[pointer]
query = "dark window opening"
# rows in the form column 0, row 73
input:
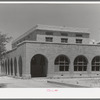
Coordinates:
column 78, row 40
column 49, row 39
column 64, row 40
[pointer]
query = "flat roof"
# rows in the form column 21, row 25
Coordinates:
column 53, row 28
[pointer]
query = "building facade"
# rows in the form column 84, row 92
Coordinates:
column 52, row 51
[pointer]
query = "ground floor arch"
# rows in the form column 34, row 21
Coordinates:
column 8, row 68
column 39, row 64
column 5, row 66
column 96, row 63
column 62, row 63
column 15, row 66
column 80, row 63
column 11, row 66
column 20, row 66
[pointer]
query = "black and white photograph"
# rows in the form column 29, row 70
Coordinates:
column 49, row 45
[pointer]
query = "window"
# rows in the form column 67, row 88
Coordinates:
column 96, row 63
column 49, row 33
column 64, row 34
column 63, row 63
column 80, row 63
column 78, row 35
column 48, row 39
column 78, row 40
column 64, row 40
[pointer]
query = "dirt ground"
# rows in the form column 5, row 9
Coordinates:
column 10, row 82
column 41, row 82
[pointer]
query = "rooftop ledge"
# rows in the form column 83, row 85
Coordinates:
column 50, row 43
column 56, row 43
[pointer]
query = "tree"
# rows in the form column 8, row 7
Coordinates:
column 4, row 39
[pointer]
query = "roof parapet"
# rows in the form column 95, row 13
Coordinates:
column 53, row 28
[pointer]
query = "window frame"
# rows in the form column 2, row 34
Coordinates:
column 63, row 62
column 79, row 41
column 49, row 39
column 80, row 64
column 64, row 40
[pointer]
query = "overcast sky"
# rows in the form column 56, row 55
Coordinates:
column 15, row 19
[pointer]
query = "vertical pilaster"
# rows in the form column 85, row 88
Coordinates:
column 51, row 67
column 71, row 67
column 89, row 67
column 26, row 66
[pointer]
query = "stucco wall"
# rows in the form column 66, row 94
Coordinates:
column 29, row 49
column 51, row 51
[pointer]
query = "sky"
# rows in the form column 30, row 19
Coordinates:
column 16, row 19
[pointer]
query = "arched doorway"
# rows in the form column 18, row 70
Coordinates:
column 20, row 66
column 80, row 63
column 15, row 66
column 39, row 65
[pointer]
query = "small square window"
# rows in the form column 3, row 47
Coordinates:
column 78, row 40
column 64, row 40
column 48, row 39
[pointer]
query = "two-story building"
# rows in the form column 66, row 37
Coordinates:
column 52, row 51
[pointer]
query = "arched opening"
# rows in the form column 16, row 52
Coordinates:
column 39, row 65
column 96, row 63
column 15, row 66
column 80, row 63
column 62, row 63
column 2, row 67
column 11, row 67
column 20, row 66
column 8, row 67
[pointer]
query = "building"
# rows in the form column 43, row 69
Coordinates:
column 52, row 51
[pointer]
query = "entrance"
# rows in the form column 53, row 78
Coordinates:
column 39, row 65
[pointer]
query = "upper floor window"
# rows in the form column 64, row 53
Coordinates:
column 49, row 39
column 64, row 34
column 78, row 40
column 78, row 35
column 64, row 40
column 49, row 33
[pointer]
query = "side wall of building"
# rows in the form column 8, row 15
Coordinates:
column 51, row 51
column 15, row 58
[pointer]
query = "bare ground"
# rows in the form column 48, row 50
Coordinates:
column 41, row 82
